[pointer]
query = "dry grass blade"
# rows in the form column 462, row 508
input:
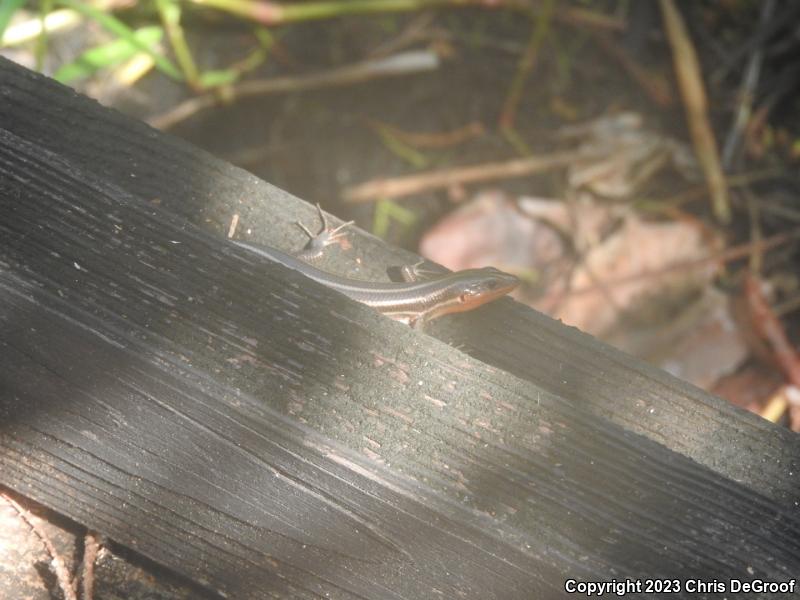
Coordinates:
column 405, row 63
column 395, row 187
column 687, row 69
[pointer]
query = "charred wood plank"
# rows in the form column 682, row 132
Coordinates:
column 270, row 438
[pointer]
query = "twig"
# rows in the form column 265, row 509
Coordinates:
column 91, row 546
column 756, row 233
column 788, row 306
column 727, row 255
column 233, row 225
column 657, row 89
column 699, row 191
column 584, row 17
column 786, row 84
column 775, row 407
column 526, row 64
column 398, row 64
column 746, row 94
column 443, row 139
column 791, row 11
column 417, row 30
column 65, row 582
column 395, row 187
column 770, row 328
column 281, row 13
column 690, row 82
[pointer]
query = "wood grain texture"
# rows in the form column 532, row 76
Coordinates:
column 207, row 192
column 271, row 439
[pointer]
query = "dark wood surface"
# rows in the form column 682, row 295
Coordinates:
column 206, row 192
column 271, row 439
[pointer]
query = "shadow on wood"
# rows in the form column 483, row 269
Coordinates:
column 270, row 438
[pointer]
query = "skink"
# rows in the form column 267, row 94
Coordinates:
column 413, row 302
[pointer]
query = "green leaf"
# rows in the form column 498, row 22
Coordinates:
column 108, row 55
column 170, row 12
column 120, row 29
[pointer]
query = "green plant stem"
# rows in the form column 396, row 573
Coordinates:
column 45, row 8
column 170, row 13
column 526, row 64
column 277, row 13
